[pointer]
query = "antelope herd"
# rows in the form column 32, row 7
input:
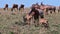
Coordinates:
column 35, row 8
column 15, row 6
column 46, row 8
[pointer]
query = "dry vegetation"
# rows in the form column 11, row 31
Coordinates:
column 12, row 24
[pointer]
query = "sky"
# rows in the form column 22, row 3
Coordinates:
column 28, row 3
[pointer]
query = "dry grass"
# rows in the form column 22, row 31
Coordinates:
column 8, row 26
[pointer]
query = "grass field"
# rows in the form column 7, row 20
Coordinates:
column 8, row 26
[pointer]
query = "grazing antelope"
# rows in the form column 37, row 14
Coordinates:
column 6, row 7
column 14, row 6
column 22, row 6
column 58, row 9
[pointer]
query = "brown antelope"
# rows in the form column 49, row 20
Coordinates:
column 6, row 7
column 22, row 6
column 14, row 6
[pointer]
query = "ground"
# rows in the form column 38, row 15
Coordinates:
column 8, row 25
